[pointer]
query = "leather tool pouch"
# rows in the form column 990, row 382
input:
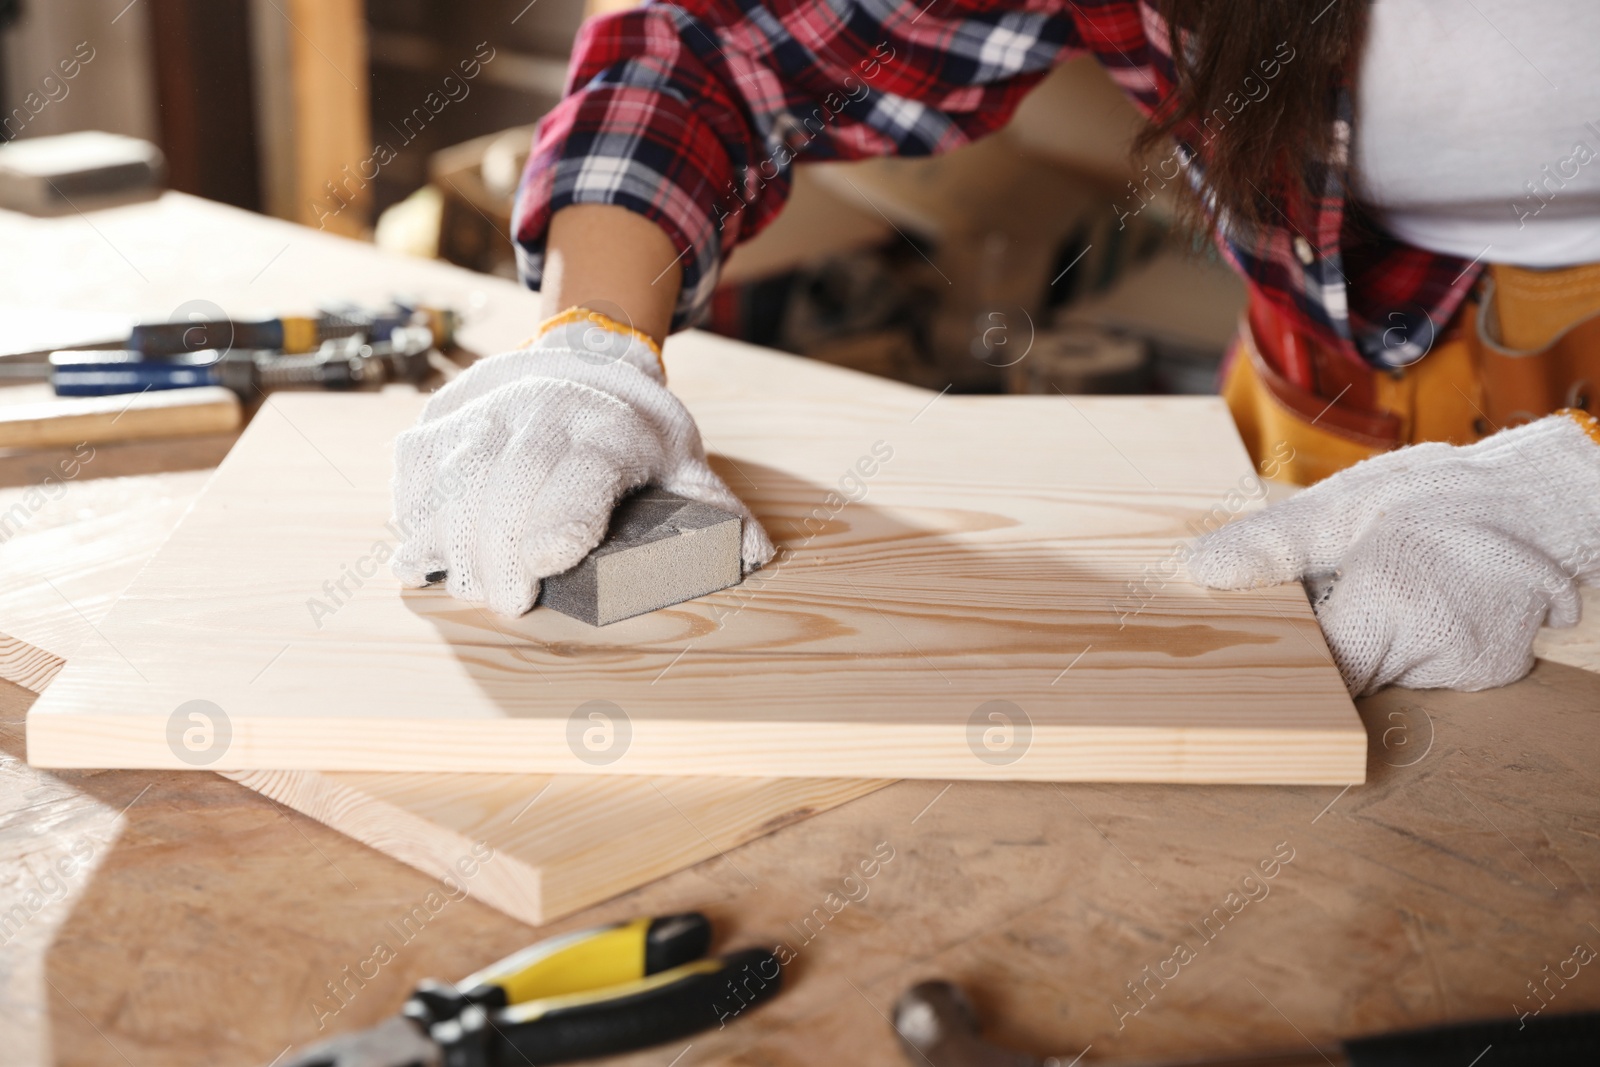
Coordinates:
column 1526, row 344
column 1536, row 341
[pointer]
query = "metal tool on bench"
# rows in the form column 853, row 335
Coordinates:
column 289, row 334
column 597, row 992
column 341, row 363
column 939, row 1028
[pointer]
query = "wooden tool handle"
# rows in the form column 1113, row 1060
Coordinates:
column 102, row 419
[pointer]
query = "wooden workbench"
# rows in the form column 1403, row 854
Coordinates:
column 198, row 922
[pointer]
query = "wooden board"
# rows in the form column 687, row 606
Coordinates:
column 65, row 422
column 563, row 842
column 68, row 548
column 191, row 875
column 998, row 602
column 91, row 536
column 207, row 923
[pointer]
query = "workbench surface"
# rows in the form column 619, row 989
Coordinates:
column 175, row 917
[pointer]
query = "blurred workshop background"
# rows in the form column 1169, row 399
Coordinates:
column 1042, row 258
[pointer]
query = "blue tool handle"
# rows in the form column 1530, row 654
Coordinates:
column 110, row 379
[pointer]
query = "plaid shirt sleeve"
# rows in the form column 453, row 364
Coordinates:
column 694, row 113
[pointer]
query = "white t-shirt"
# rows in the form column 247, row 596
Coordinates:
column 1477, row 128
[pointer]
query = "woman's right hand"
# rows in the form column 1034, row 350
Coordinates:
column 511, row 472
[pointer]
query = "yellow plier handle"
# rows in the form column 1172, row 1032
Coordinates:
column 575, row 963
column 598, row 992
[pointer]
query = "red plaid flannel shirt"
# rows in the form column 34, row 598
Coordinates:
column 694, row 113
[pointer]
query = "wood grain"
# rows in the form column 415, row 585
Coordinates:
column 68, row 549
column 67, row 554
column 208, row 922
column 564, row 843
column 1015, row 550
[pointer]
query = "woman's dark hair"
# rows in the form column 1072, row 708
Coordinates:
column 1255, row 132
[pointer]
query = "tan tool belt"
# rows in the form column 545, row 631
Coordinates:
column 1525, row 345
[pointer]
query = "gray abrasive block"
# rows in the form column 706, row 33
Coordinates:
column 661, row 549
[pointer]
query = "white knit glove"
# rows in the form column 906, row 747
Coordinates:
column 510, row 474
column 1444, row 560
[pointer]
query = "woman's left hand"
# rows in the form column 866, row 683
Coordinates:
column 1444, row 560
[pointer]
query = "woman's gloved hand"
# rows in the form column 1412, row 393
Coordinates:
column 510, row 474
column 1444, row 560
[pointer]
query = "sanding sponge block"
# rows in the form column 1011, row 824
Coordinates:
column 661, row 549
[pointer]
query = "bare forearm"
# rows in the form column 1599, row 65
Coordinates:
column 613, row 261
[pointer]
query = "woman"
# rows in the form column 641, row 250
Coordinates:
column 1413, row 199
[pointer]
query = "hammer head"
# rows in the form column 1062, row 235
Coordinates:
column 939, row 1028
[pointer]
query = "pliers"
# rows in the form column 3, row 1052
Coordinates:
column 597, row 992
